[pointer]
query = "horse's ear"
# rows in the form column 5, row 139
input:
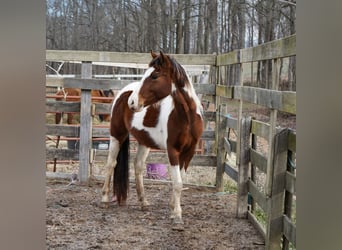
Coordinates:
column 163, row 58
column 154, row 55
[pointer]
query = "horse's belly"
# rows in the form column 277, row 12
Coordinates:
column 149, row 137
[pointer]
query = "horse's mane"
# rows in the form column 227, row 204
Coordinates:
column 179, row 75
column 180, row 78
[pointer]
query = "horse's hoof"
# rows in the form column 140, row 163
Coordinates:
column 103, row 204
column 178, row 224
column 177, row 221
column 145, row 205
column 105, row 199
column 123, row 204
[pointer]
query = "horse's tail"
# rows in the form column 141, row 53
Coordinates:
column 121, row 173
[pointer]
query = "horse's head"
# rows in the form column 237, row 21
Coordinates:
column 163, row 75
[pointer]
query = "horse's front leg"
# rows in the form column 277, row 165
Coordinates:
column 139, row 165
column 177, row 185
column 114, row 148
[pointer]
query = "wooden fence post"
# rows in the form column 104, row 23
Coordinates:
column 243, row 167
column 275, row 202
column 85, row 126
column 272, row 132
column 221, row 126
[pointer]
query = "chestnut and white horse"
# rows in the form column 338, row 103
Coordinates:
column 161, row 111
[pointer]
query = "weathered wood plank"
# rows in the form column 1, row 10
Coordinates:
column 86, row 128
column 101, row 155
column 289, row 230
column 260, row 128
column 205, row 89
column 257, row 195
column 221, row 124
column 54, row 81
column 272, row 144
column 228, row 58
column 273, row 99
column 97, row 56
column 74, row 131
column 230, row 171
column 258, row 160
column 264, row 97
column 284, row 47
column 105, row 84
column 61, row 106
column 100, row 132
column 61, row 154
column 225, row 91
column 256, row 224
column 194, row 59
column 292, row 140
column 161, row 157
column 232, row 122
column 289, row 102
column 290, row 182
column 102, row 108
column 124, row 57
column 275, row 203
column 63, row 130
column 243, row 167
column 92, row 83
column 100, row 83
column 197, row 160
column 104, row 132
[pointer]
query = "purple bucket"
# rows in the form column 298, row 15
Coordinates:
column 156, row 171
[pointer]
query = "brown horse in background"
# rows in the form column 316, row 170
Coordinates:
column 72, row 95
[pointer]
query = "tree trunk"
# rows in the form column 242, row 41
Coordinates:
column 179, row 23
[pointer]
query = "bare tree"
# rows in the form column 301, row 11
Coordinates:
column 174, row 26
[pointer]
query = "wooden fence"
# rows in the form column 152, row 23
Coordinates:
column 275, row 196
column 236, row 156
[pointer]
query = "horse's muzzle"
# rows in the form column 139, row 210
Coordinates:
column 133, row 103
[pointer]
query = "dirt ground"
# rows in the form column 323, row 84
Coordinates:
column 75, row 219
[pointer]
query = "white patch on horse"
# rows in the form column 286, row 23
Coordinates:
column 134, row 97
column 189, row 88
column 147, row 73
column 159, row 132
column 130, row 87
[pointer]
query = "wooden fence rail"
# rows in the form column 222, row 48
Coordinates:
column 276, row 197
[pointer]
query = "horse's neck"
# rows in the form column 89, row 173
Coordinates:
column 190, row 91
column 183, row 102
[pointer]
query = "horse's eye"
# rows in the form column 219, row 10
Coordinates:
column 154, row 76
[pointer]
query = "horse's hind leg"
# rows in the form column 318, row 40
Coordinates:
column 177, row 185
column 139, row 164
column 114, row 148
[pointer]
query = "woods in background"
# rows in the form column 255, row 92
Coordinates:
column 173, row 26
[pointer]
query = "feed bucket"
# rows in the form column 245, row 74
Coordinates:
column 156, row 171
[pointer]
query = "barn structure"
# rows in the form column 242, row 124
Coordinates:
column 243, row 138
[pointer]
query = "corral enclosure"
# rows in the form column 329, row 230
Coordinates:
column 247, row 136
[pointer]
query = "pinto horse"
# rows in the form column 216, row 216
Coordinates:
column 162, row 111
column 68, row 94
